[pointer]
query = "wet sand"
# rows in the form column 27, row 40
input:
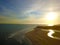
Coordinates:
column 39, row 37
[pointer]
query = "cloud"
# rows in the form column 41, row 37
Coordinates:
column 28, row 20
column 26, row 12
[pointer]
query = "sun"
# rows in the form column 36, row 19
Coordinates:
column 51, row 16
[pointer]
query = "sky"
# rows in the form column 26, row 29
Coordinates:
column 28, row 11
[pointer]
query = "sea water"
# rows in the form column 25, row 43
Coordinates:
column 7, row 30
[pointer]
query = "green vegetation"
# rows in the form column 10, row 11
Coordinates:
column 55, row 27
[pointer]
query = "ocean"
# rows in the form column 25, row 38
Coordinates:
column 10, row 30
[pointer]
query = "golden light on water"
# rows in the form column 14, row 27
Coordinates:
column 50, row 33
column 50, row 24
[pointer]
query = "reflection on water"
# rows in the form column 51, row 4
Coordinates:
column 51, row 32
column 50, row 24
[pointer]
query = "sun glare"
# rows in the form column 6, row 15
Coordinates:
column 51, row 16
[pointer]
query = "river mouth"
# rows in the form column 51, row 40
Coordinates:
column 52, row 33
